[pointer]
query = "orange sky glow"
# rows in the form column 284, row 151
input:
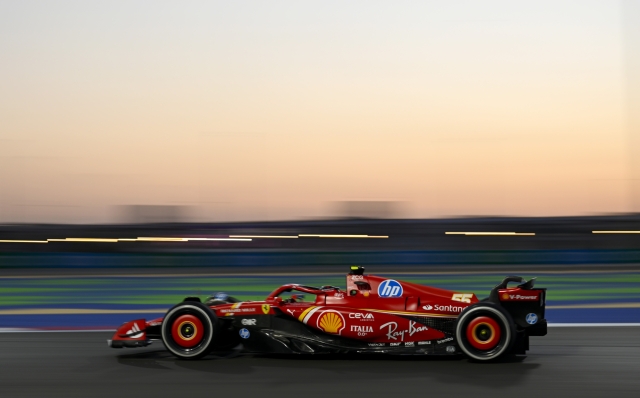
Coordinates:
column 269, row 111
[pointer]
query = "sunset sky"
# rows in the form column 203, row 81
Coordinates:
column 271, row 110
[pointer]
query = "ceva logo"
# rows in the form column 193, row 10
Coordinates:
column 358, row 315
column 390, row 288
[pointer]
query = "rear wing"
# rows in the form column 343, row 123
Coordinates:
column 525, row 304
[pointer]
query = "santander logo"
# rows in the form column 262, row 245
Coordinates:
column 443, row 308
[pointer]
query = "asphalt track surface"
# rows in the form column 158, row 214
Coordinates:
column 572, row 361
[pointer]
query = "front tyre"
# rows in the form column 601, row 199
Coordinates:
column 485, row 332
column 189, row 330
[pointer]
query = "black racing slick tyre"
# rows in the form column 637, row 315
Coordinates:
column 189, row 330
column 485, row 332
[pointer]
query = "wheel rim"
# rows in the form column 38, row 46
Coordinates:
column 187, row 331
column 483, row 333
column 475, row 336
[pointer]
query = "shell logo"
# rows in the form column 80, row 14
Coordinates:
column 331, row 322
column 505, row 296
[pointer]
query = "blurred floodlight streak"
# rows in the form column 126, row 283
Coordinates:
column 161, row 239
column 22, row 241
column 342, row 236
column 152, row 239
column 103, row 240
column 219, row 239
column 491, row 233
column 264, row 236
column 615, row 232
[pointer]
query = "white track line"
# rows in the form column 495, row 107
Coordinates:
column 593, row 305
column 588, row 325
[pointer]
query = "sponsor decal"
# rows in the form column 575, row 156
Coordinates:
column 505, row 296
column 338, row 295
column 231, row 311
column 134, row 332
column 306, row 314
column 462, row 297
column 451, row 348
column 265, row 308
column 394, row 344
column 523, row 298
column 362, row 316
column 445, row 340
column 331, row 321
column 244, row 333
column 443, row 308
column 366, row 293
column 532, row 318
column 361, row 330
column 155, row 323
column 376, row 344
column 290, row 312
column 249, row 322
column 409, row 344
column 357, row 277
column 393, row 333
column 424, row 343
column 390, row 288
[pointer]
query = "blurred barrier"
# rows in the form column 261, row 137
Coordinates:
column 303, row 259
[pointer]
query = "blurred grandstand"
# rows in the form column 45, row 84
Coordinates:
column 597, row 240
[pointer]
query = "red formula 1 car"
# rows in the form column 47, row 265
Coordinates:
column 374, row 314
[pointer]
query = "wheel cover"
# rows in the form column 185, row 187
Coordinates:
column 483, row 333
column 187, row 331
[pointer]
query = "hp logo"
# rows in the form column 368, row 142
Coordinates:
column 532, row 318
column 244, row 333
column 390, row 288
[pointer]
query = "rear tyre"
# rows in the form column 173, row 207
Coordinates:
column 189, row 330
column 485, row 332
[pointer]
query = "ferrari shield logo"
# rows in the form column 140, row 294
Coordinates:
column 265, row 308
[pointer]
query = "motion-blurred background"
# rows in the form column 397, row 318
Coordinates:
column 149, row 148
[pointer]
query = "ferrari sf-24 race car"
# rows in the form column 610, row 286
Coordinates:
column 373, row 315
